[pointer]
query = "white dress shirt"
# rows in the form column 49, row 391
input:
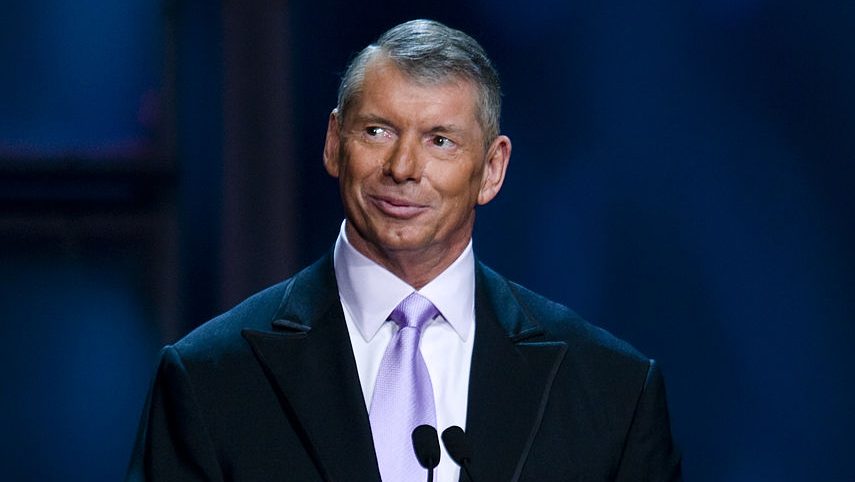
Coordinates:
column 368, row 295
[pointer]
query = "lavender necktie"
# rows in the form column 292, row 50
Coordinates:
column 403, row 394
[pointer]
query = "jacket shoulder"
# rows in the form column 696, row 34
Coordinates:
column 222, row 334
column 561, row 323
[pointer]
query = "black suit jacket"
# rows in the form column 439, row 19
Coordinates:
column 270, row 391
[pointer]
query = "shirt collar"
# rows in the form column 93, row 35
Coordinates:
column 370, row 292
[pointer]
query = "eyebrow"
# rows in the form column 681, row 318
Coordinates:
column 377, row 119
column 372, row 119
column 447, row 129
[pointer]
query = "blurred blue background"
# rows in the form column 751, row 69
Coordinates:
column 682, row 175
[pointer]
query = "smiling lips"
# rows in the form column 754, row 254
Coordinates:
column 397, row 207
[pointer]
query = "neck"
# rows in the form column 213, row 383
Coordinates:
column 416, row 267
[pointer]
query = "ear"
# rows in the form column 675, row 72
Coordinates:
column 498, row 156
column 332, row 144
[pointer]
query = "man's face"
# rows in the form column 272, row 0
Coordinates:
column 411, row 164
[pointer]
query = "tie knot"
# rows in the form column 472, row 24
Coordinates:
column 415, row 311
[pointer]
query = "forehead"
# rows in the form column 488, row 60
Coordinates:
column 388, row 90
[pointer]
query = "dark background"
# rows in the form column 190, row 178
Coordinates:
column 682, row 175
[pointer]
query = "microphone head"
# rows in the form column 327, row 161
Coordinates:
column 457, row 444
column 426, row 446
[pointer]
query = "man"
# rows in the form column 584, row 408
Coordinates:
column 324, row 376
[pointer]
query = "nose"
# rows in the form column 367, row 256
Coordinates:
column 403, row 162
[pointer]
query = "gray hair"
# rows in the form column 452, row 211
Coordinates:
column 430, row 52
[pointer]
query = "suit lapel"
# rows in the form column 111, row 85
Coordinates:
column 309, row 360
column 510, row 380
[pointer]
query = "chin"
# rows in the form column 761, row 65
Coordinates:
column 402, row 243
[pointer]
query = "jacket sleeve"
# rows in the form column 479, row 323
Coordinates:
column 172, row 441
column 649, row 453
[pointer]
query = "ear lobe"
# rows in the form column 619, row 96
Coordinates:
column 495, row 166
column 332, row 144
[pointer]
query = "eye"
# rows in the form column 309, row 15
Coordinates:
column 375, row 134
column 443, row 142
column 375, row 131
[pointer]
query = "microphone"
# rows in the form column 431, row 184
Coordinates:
column 426, row 446
column 457, row 445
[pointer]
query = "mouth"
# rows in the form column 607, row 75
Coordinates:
column 397, row 208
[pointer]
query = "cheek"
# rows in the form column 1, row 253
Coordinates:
column 351, row 190
column 355, row 184
column 347, row 182
column 361, row 165
column 459, row 191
